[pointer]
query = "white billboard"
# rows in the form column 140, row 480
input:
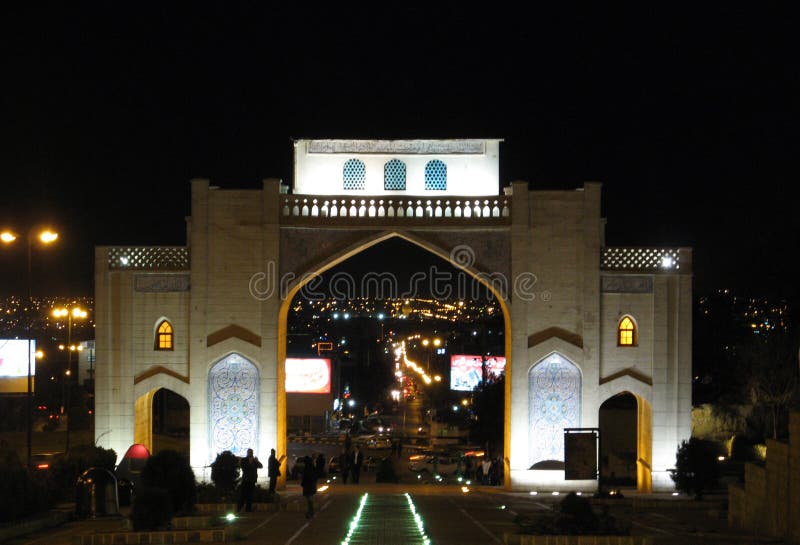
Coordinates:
column 14, row 358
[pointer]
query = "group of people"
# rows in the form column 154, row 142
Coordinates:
column 486, row 471
column 250, row 466
column 350, row 462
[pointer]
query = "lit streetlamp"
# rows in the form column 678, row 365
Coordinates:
column 42, row 237
column 70, row 314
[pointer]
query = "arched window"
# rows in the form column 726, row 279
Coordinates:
column 435, row 175
column 354, row 174
column 394, row 175
column 164, row 336
column 626, row 333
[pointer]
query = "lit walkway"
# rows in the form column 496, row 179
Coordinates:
column 386, row 519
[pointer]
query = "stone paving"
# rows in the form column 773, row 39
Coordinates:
column 482, row 516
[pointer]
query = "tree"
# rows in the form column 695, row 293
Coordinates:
column 770, row 366
column 696, row 470
column 488, row 407
column 225, row 472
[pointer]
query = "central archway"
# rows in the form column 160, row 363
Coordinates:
column 487, row 279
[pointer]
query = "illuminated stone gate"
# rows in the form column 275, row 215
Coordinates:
column 583, row 321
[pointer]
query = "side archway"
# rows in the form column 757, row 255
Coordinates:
column 626, row 430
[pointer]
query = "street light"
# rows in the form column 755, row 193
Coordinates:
column 70, row 314
column 43, row 236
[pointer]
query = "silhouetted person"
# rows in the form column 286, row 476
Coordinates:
column 357, row 460
column 344, row 465
column 309, row 484
column 274, row 469
column 319, row 465
column 250, row 465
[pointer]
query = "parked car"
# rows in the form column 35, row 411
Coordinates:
column 424, row 463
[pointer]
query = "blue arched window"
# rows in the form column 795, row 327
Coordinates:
column 233, row 391
column 394, row 175
column 554, row 395
column 436, row 175
column 354, row 174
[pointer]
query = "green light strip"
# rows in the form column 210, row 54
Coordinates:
column 418, row 519
column 354, row 522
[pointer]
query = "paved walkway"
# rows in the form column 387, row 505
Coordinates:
column 447, row 515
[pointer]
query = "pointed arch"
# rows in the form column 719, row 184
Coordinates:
column 554, row 403
column 233, row 405
column 344, row 255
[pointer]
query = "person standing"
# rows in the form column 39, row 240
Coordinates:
column 309, row 484
column 250, row 466
column 357, row 460
column 274, row 469
column 486, row 467
column 320, row 466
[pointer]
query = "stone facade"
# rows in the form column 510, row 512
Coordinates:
column 767, row 502
column 542, row 253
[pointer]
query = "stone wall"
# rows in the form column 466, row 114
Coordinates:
column 771, row 493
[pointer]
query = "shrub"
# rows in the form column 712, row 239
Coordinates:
column 696, row 469
column 66, row 469
column 171, row 470
column 22, row 492
column 152, row 509
column 225, row 471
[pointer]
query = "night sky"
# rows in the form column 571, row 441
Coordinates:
column 688, row 118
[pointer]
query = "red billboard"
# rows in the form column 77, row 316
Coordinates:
column 308, row 375
column 466, row 370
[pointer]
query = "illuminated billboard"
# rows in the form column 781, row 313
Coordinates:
column 308, row 375
column 14, row 359
column 466, row 372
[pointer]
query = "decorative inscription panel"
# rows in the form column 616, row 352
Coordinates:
column 626, row 284
column 422, row 147
column 161, row 282
column 233, row 386
column 554, row 394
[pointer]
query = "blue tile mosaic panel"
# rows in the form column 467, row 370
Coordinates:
column 394, row 175
column 233, row 387
column 435, row 175
column 354, row 174
column 554, row 394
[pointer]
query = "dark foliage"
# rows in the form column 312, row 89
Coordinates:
column 22, row 492
column 152, row 509
column 65, row 470
column 225, row 470
column 696, row 468
column 171, row 470
column 488, row 406
column 574, row 516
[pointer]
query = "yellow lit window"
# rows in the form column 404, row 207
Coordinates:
column 627, row 332
column 164, row 336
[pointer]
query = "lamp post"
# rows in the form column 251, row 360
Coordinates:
column 43, row 236
column 70, row 314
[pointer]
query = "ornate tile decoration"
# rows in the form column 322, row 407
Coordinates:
column 233, row 386
column 554, row 390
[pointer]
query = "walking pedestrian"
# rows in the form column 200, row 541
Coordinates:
column 357, row 460
column 250, row 466
column 309, row 485
column 486, row 466
column 274, row 469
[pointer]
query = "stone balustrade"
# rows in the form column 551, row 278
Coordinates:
column 345, row 209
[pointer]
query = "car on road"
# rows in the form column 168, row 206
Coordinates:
column 441, row 464
column 44, row 461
